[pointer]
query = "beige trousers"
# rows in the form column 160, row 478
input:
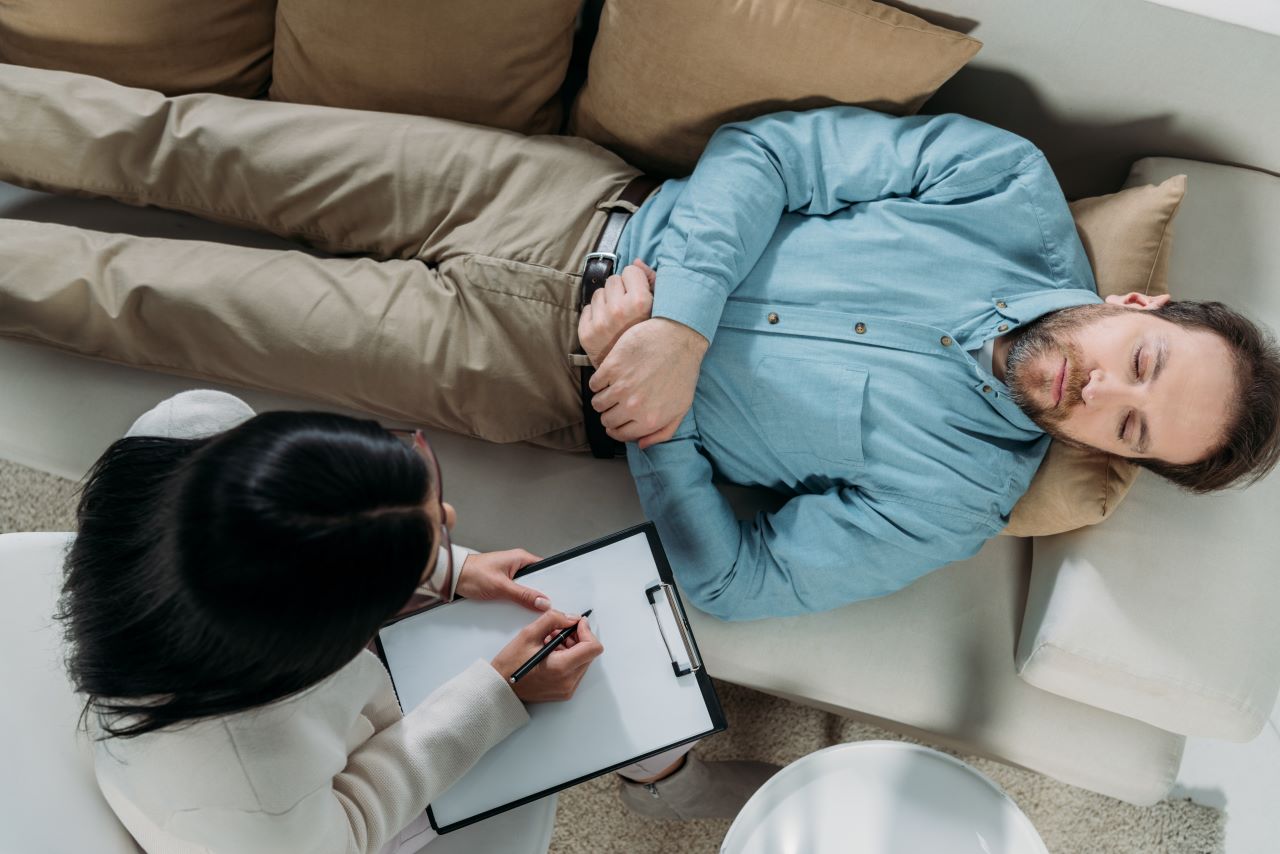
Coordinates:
column 458, row 314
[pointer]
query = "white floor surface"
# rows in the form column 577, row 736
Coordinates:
column 1243, row 779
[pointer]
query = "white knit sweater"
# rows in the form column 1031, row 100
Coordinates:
column 335, row 768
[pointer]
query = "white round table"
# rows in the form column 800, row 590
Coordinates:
column 880, row 797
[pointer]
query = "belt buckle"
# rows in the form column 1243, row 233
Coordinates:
column 611, row 257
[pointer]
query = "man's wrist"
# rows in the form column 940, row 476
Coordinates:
column 689, row 337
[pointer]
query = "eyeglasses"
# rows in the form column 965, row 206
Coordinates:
column 437, row 584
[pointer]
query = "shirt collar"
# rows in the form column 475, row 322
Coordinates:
column 1026, row 307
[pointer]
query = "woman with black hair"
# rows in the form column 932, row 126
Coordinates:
column 229, row 572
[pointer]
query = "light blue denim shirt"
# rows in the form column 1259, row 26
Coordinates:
column 844, row 264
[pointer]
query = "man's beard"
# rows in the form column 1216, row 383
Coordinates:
column 1051, row 338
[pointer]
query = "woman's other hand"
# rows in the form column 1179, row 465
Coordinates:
column 558, row 675
column 489, row 576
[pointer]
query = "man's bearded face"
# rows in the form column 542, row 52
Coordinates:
column 1121, row 380
column 1051, row 339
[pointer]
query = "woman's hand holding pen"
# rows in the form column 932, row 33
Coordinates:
column 557, row 677
column 490, row 576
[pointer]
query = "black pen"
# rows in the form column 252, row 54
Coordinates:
column 560, row 638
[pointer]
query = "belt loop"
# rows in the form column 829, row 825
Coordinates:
column 618, row 204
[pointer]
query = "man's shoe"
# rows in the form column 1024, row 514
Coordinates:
column 698, row 790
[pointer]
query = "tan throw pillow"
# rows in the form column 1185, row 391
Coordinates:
column 1128, row 237
column 489, row 62
column 664, row 74
column 172, row 46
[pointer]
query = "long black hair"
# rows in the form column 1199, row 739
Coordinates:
column 214, row 575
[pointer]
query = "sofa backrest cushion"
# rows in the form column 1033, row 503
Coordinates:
column 664, row 74
column 221, row 46
column 489, row 62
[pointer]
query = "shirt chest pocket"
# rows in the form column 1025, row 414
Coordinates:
column 810, row 408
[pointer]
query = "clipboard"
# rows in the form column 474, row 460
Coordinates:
column 647, row 693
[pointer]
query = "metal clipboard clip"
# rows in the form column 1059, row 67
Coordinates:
column 672, row 622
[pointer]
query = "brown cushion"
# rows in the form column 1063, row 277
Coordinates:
column 664, row 74
column 489, row 62
column 1128, row 237
column 172, row 46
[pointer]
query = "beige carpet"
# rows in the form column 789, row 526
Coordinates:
column 591, row 820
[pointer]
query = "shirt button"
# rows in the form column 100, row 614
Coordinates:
column 860, row 328
column 986, row 389
column 945, row 340
column 1001, row 304
column 773, row 317
column 1004, row 327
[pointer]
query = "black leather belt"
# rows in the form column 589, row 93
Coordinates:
column 600, row 264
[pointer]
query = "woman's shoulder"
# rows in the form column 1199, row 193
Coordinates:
column 267, row 758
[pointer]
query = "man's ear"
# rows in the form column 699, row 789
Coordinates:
column 1133, row 299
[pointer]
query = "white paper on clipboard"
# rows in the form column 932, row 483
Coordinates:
column 630, row 704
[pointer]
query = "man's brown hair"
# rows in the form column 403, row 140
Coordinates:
column 1250, row 446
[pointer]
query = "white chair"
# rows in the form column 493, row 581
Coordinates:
column 51, row 803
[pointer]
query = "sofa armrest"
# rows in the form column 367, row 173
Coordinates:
column 1172, row 627
column 1167, row 612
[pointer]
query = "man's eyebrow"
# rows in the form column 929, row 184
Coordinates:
column 1144, row 437
column 1162, row 353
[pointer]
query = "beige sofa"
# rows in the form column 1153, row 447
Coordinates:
column 1087, row 656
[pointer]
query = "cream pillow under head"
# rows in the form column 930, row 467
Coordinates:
column 1128, row 237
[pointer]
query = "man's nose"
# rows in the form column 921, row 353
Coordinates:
column 1103, row 388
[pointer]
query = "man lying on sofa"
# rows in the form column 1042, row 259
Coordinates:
column 883, row 318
